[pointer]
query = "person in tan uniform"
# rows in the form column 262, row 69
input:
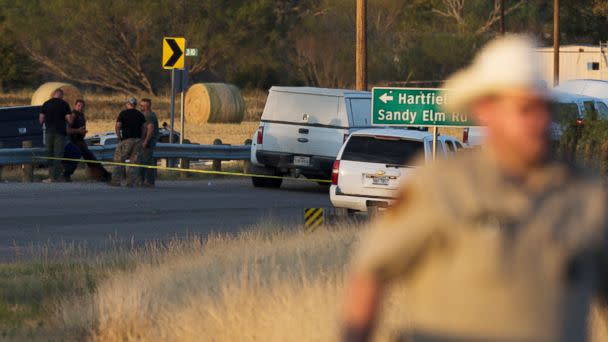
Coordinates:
column 506, row 244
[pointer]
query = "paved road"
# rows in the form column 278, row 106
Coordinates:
column 32, row 214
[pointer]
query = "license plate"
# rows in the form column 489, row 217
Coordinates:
column 301, row 161
column 380, row 180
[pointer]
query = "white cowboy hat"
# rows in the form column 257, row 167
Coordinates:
column 505, row 63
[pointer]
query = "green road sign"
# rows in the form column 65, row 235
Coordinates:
column 191, row 52
column 414, row 107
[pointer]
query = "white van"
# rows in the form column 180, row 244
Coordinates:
column 566, row 109
column 593, row 88
column 302, row 129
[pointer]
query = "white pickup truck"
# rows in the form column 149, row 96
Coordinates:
column 373, row 163
column 302, row 129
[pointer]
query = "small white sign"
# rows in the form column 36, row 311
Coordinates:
column 301, row 161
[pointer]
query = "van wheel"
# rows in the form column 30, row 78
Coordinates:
column 373, row 211
column 342, row 213
column 260, row 182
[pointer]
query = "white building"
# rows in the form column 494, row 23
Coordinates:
column 575, row 62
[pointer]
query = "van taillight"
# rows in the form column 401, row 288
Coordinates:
column 260, row 139
column 465, row 136
column 579, row 122
column 335, row 172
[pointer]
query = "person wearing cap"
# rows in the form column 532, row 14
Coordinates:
column 130, row 128
column 503, row 244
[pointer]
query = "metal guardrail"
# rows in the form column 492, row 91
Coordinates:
column 14, row 156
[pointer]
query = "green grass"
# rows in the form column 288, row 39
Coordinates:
column 33, row 286
column 36, row 286
column 28, row 292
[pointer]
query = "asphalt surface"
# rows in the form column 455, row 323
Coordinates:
column 37, row 214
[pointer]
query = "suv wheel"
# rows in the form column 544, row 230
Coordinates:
column 260, row 182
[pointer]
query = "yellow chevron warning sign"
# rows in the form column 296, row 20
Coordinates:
column 313, row 218
column 173, row 52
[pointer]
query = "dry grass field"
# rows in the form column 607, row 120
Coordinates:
column 102, row 110
column 271, row 283
column 234, row 134
column 103, row 107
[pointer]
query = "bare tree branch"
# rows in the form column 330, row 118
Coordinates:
column 495, row 15
column 453, row 9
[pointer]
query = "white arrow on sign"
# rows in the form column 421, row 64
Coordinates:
column 386, row 97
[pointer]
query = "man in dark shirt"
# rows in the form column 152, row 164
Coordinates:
column 77, row 131
column 55, row 115
column 149, row 142
column 130, row 128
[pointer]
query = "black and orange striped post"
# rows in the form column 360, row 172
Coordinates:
column 313, row 218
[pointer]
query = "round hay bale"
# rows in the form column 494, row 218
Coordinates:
column 45, row 92
column 215, row 103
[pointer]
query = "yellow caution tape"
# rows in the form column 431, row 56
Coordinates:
column 177, row 169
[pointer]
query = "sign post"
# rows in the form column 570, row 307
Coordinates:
column 415, row 107
column 172, row 112
column 173, row 58
column 182, row 108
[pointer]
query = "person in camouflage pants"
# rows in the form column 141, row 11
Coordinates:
column 129, row 151
column 130, row 128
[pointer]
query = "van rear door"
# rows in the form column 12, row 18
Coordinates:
column 304, row 124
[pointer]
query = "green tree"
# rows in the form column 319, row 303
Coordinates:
column 16, row 69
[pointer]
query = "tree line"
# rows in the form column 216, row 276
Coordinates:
column 116, row 44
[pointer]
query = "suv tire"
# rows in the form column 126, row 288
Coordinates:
column 260, row 182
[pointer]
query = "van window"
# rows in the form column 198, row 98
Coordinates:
column 590, row 111
column 602, row 110
column 440, row 148
column 451, row 147
column 564, row 113
column 381, row 150
column 361, row 112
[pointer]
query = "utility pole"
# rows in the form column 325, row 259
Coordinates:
column 361, row 45
column 555, row 42
column 502, row 17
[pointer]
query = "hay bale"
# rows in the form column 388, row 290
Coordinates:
column 45, row 92
column 215, row 103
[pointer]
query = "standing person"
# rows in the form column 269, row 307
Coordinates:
column 55, row 115
column 77, row 130
column 149, row 142
column 504, row 244
column 130, row 127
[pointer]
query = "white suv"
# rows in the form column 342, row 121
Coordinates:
column 373, row 163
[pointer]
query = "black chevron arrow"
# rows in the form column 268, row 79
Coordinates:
column 177, row 53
